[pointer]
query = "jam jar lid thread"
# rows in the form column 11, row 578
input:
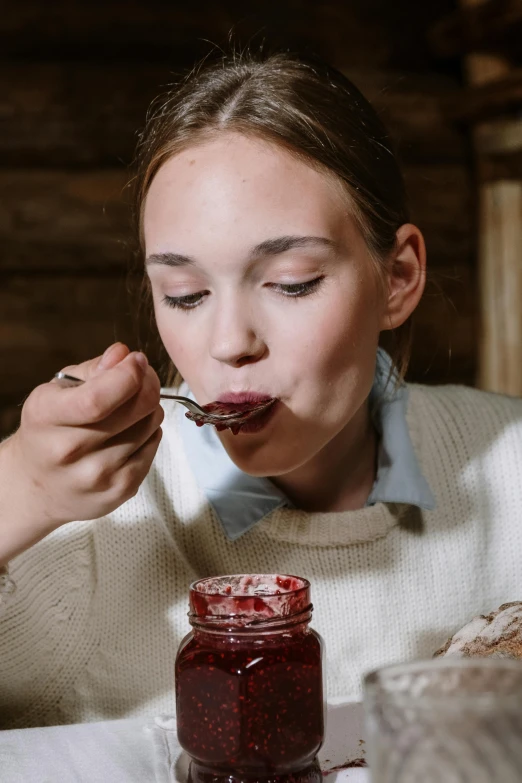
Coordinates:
column 239, row 624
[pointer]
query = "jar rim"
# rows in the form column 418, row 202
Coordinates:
column 194, row 585
column 434, row 681
column 249, row 598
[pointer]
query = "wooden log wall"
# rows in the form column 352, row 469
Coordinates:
column 497, row 86
column 76, row 82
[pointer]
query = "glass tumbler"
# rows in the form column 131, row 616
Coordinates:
column 445, row 721
column 249, row 687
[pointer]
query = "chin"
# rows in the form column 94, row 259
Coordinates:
column 262, row 459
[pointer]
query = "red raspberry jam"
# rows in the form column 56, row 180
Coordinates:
column 237, row 407
column 243, row 411
column 249, row 686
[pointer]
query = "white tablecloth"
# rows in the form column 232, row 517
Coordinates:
column 137, row 751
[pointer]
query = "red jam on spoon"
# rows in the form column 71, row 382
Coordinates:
column 244, row 411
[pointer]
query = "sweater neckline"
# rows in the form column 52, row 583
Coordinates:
column 331, row 528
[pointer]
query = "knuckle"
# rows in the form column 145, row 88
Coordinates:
column 150, row 396
column 130, row 481
column 151, row 380
column 159, row 415
column 133, row 474
column 35, row 408
column 91, row 405
column 88, row 368
column 54, row 452
column 133, row 490
column 133, row 375
column 64, row 450
column 151, row 446
column 96, row 476
column 154, row 442
column 71, row 450
column 154, row 379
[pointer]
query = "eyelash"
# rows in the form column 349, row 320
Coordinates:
column 188, row 302
column 291, row 290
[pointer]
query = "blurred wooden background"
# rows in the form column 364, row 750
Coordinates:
column 76, row 82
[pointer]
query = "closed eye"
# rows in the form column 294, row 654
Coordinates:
column 293, row 290
column 297, row 289
column 188, row 302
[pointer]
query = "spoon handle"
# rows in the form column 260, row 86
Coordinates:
column 71, row 380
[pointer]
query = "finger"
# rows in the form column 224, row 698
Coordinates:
column 137, row 466
column 113, row 355
column 98, row 397
column 98, row 471
column 103, row 451
column 94, row 475
column 145, row 402
column 119, row 449
column 69, row 444
column 144, row 456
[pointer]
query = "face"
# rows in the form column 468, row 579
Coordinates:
column 263, row 286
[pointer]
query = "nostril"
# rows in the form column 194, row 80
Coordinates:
column 235, row 357
column 246, row 360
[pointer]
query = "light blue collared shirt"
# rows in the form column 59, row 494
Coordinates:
column 241, row 501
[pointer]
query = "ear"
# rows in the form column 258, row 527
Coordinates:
column 406, row 277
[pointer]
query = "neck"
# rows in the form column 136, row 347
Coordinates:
column 340, row 477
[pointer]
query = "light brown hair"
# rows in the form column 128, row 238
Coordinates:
column 312, row 110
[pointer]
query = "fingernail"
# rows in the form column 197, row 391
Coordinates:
column 104, row 361
column 141, row 360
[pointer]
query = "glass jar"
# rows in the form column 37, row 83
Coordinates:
column 449, row 720
column 249, row 681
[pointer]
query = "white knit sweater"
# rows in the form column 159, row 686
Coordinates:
column 100, row 609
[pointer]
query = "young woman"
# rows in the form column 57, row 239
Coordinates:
column 277, row 244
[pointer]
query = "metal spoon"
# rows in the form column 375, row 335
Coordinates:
column 198, row 413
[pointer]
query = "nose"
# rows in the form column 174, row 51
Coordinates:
column 235, row 340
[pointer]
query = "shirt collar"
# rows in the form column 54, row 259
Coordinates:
column 241, row 501
column 399, row 477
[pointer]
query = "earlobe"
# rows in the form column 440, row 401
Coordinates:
column 406, row 276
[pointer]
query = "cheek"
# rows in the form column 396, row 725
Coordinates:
column 335, row 332
column 178, row 339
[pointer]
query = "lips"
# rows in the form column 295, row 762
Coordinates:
column 255, row 407
column 240, row 398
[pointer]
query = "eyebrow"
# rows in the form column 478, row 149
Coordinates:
column 169, row 259
column 267, row 248
column 274, row 247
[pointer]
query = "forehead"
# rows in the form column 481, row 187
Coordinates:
column 238, row 181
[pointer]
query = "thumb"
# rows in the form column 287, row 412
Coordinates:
column 112, row 356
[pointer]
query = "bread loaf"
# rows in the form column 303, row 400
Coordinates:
column 496, row 635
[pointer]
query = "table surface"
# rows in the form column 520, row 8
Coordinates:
column 127, row 751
